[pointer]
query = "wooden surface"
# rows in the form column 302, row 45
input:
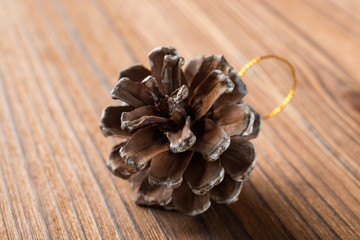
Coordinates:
column 59, row 60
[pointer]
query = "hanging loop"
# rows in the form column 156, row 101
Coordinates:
column 292, row 90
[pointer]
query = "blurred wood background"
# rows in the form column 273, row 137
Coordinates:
column 60, row 59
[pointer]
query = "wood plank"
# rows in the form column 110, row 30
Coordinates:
column 60, row 60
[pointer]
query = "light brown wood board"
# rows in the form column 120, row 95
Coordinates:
column 60, row 59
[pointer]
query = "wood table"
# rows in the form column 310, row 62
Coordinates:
column 60, row 59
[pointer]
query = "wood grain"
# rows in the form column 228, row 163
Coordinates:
column 60, row 59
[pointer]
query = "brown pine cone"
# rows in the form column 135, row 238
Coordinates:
column 186, row 134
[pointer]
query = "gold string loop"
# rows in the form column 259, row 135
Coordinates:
column 292, row 90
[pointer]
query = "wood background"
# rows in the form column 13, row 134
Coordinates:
column 60, row 59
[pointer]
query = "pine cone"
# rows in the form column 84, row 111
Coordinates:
column 186, row 134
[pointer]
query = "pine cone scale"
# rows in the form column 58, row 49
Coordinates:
column 254, row 125
column 202, row 175
column 146, row 194
column 182, row 140
column 211, row 139
column 209, row 64
column 133, row 93
column 142, row 117
column 156, row 58
column 171, row 73
column 152, row 88
column 239, row 160
column 193, row 67
column 117, row 165
column 209, row 91
column 110, row 124
column 167, row 168
column 142, row 146
column 234, row 119
column 236, row 96
column 227, row 191
column 136, row 73
column 188, row 202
